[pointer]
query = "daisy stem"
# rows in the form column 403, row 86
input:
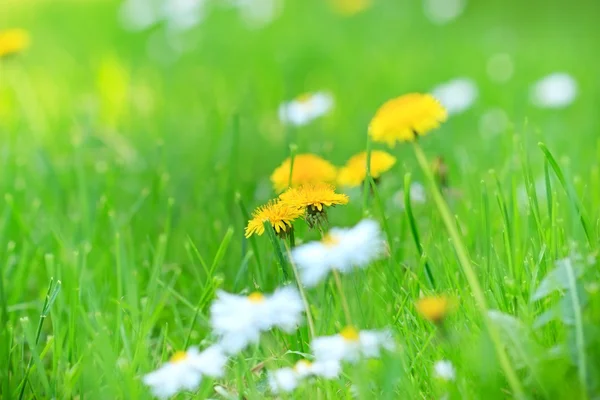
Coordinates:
column 463, row 258
column 338, row 283
column 311, row 324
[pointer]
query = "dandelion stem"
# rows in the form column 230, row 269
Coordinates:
column 338, row 283
column 469, row 272
column 311, row 324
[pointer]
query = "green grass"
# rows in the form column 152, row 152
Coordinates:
column 126, row 181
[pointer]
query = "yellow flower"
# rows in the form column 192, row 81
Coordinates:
column 278, row 214
column 355, row 171
column 308, row 168
column 434, row 308
column 314, row 197
column 13, row 41
column 349, row 7
column 406, row 117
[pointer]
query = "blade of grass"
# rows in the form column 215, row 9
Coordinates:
column 470, row 274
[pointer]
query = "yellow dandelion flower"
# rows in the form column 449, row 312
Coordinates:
column 13, row 41
column 278, row 214
column 355, row 171
column 434, row 308
column 313, row 196
column 308, row 168
column 404, row 118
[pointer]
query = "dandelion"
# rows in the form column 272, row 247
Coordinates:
column 444, row 370
column 239, row 320
column 307, row 168
column 305, row 108
column 314, row 198
column 279, row 215
column 13, row 41
column 351, row 345
column 342, row 249
column 456, row 96
column 287, row 379
column 556, row 90
column 355, row 171
column 184, row 371
column 406, row 117
column 434, row 308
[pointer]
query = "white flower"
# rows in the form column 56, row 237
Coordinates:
column 556, row 90
column 287, row 379
column 417, row 195
column 456, row 96
column 177, row 14
column 444, row 370
column 239, row 320
column 305, row 108
column 184, row 371
column 443, row 11
column 257, row 13
column 342, row 249
column 350, row 345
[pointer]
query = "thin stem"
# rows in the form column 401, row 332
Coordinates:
column 338, row 283
column 469, row 272
column 311, row 324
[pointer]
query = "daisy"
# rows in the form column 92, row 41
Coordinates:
column 179, row 15
column 556, row 90
column 355, row 171
column 444, row 370
column 305, row 108
column 184, row 371
column 341, row 249
column 314, row 198
column 307, row 168
column 279, row 215
column 287, row 379
column 434, row 308
column 405, row 118
column 351, row 345
column 13, row 41
column 257, row 13
column 441, row 12
column 239, row 320
column 456, row 96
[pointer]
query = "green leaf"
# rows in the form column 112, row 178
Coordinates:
column 557, row 279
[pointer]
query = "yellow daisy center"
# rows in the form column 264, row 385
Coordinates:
column 179, row 356
column 304, row 98
column 350, row 334
column 256, row 297
column 330, row 240
column 302, row 364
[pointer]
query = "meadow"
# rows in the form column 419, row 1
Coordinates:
column 132, row 161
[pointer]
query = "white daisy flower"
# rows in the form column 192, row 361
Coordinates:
column 287, row 379
column 444, row 370
column 457, row 95
column 418, row 195
column 351, row 345
column 342, row 249
column 177, row 14
column 239, row 320
column 257, row 13
column 556, row 90
column 305, row 108
column 184, row 371
column 443, row 11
